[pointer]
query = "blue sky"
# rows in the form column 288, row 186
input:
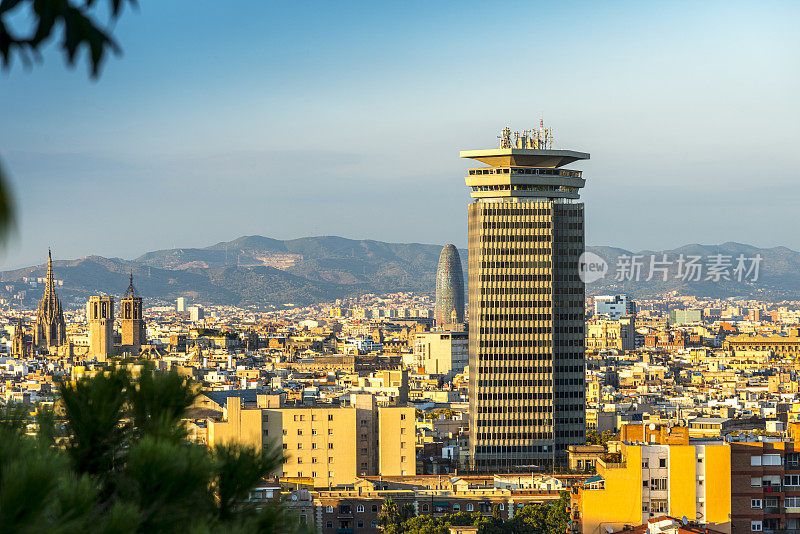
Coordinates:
column 289, row 119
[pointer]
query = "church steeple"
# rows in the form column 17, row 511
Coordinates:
column 50, row 288
column 131, row 290
column 51, row 330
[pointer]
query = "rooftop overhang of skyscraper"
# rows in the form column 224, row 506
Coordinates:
column 524, row 157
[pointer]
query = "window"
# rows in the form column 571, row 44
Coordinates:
column 645, row 507
column 295, row 418
column 285, row 445
column 501, row 507
column 771, row 459
column 313, row 431
column 402, row 444
column 662, row 462
column 658, row 506
column 755, row 482
column 791, row 480
column 330, row 445
column 299, row 445
column 360, row 508
column 299, row 460
column 299, row 432
column 755, row 460
column 644, row 483
column 755, row 503
column 792, row 502
column 658, row 483
column 360, row 524
column 313, row 417
column 424, row 507
column 402, row 417
column 645, row 463
column 402, row 430
column 329, row 524
column 330, row 459
column 313, row 474
column 470, row 507
column 313, row 460
column 330, row 417
column 699, row 460
column 313, row 445
column 456, row 507
column 755, row 526
column 330, row 431
column 330, row 474
column 402, row 459
column 374, row 508
column 329, row 509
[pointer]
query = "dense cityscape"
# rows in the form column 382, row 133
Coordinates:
column 528, row 392
column 399, row 268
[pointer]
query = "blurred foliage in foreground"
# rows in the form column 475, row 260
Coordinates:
column 113, row 456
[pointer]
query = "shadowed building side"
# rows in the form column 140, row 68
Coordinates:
column 449, row 288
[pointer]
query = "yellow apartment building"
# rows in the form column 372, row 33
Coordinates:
column 659, row 472
column 331, row 445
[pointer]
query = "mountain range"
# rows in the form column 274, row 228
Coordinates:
column 263, row 272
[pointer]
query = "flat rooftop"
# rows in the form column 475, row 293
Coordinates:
column 524, row 157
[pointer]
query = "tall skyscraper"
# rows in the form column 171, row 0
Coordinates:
column 526, row 302
column 51, row 330
column 100, row 316
column 131, row 319
column 449, row 288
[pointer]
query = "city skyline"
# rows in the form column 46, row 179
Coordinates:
column 182, row 138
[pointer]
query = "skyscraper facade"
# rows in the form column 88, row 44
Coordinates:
column 449, row 288
column 526, row 302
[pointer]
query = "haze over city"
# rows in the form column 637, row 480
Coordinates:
column 298, row 119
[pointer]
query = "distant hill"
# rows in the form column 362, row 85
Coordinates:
column 778, row 273
column 260, row 271
column 250, row 271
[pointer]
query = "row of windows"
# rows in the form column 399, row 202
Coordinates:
column 506, row 396
column 516, row 383
column 522, row 210
column 514, row 435
column 302, row 417
column 514, row 238
column 515, row 225
column 515, row 278
column 511, row 330
column 514, row 422
column 546, row 171
column 503, row 303
column 513, row 409
column 529, row 356
column 530, row 369
column 497, row 251
column 516, row 316
column 515, row 264
column 524, row 343
column 540, row 290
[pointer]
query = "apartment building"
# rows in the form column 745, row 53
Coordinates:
column 658, row 472
column 333, row 445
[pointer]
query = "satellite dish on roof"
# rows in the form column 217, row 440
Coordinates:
column 652, row 426
column 684, row 520
column 609, row 529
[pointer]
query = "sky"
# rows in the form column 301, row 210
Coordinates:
column 289, row 119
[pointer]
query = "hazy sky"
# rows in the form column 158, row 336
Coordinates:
column 289, row 119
